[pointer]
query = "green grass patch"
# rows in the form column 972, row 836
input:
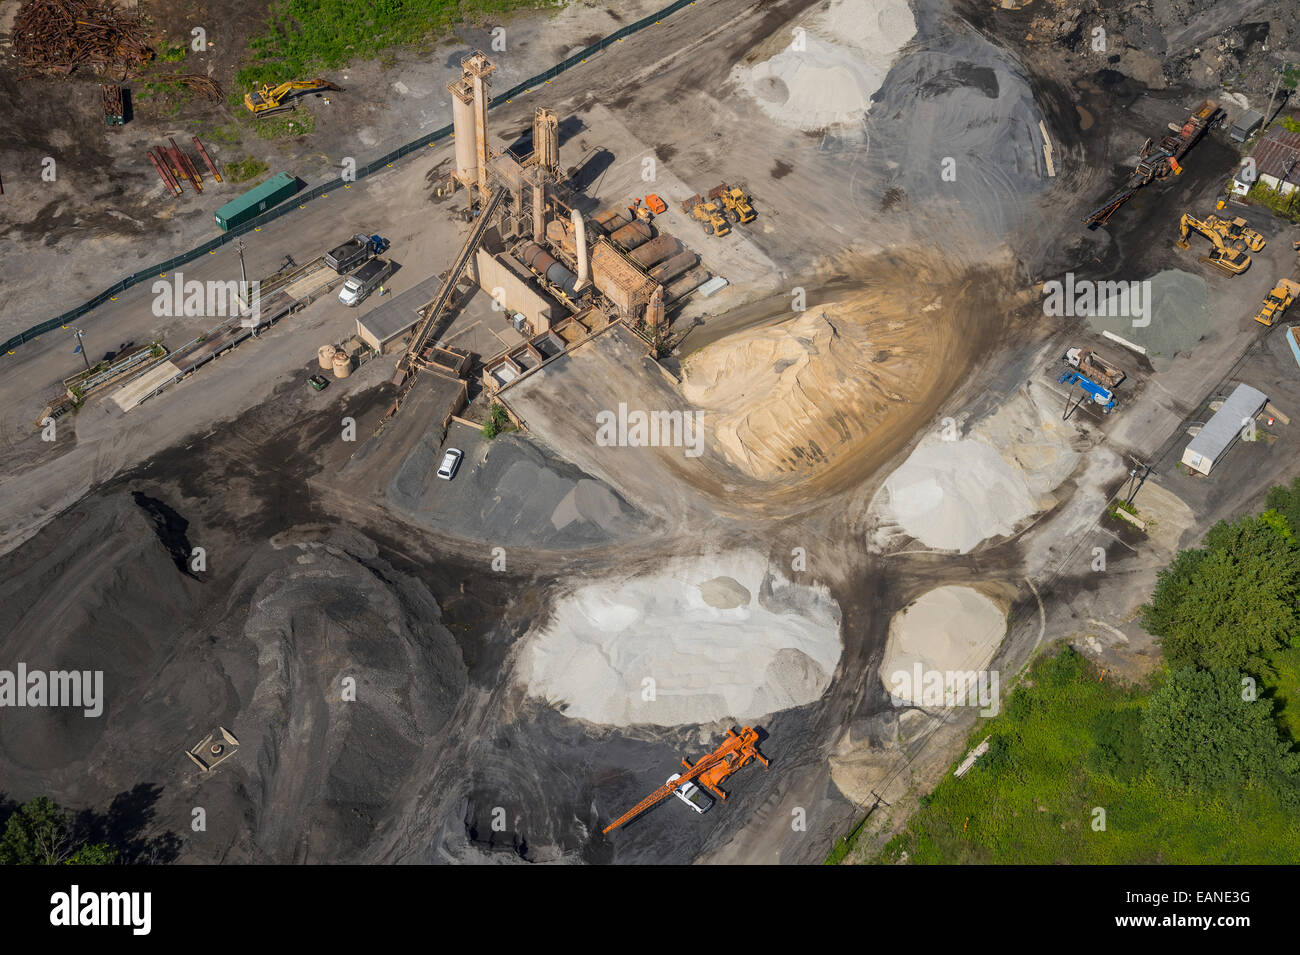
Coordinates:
column 245, row 169
column 169, row 53
column 225, row 134
column 1288, row 206
column 286, row 126
column 1067, row 744
column 303, row 37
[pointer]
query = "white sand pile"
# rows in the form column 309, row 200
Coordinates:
column 810, row 390
column 951, row 495
column 949, row 630
column 848, row 49
column 702, row 640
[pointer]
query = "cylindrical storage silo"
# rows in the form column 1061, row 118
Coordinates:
column 558, row 275
column 342, row 364
column 671, row 268
column 462, row 122
column 655, row 251
column 325, row 355
column 686, row 284
column 632, row 235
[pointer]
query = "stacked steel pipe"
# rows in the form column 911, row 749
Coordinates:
column 175, row 166
column 61, row 35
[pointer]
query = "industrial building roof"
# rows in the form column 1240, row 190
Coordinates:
column 1225, row 426
column 1275, row 152
column 391, row 318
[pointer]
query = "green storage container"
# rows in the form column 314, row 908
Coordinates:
column 257, row 200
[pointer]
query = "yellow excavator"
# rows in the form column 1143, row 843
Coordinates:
column 274, row 99
column 1233, row 261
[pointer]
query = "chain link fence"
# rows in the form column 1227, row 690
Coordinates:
column 316, row 192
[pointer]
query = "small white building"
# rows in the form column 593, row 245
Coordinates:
column 1236, row 415
column 1276, row 160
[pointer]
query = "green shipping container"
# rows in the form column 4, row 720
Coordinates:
column 257, row 200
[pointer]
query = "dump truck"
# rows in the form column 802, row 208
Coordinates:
column 364, row 281
column 358, row 249
column 1093, row 366
column 1283, row 294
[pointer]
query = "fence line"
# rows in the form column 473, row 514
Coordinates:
column 316, row 192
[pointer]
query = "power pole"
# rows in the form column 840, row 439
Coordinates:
column 1281, row 71
column 81, row 347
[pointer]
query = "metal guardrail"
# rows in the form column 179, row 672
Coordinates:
column 323, row 191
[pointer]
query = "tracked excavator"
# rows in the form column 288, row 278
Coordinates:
column 1231, row 260
column 275, row 99
column 709, row 771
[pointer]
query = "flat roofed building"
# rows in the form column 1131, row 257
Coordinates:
column 1224, row 428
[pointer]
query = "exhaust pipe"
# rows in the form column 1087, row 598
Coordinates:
column 580, row 240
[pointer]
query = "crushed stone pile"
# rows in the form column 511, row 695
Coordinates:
column 703, row 639
column 953, row 495
column 830, row 64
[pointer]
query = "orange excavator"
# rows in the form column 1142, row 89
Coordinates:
column 736, row 750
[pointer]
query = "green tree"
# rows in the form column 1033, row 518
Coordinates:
column 1232, row 602
column 1199, row 732
column 37, row 834
column 40, row 832
column 100, row 853
column 1286, row 501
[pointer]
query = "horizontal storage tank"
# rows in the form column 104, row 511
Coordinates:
column 671, row 268
column 655, row 251
column 325, row 355
column 687, row 284
column 342, row 364
column 632, row 235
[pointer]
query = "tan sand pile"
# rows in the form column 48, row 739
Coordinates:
column 827, row 68
column 703, row 639
column 948, row 630
column 812, row 389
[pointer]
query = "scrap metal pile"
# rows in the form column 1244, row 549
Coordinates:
column 203, row 85
column 61, row 35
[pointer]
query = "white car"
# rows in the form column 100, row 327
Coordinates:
column 450, row 464
column 691, row 794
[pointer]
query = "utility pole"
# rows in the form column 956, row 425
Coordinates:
column 243, row 274
column 1281, row 71
column 81, row 347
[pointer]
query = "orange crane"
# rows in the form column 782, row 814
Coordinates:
column 736, row 750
